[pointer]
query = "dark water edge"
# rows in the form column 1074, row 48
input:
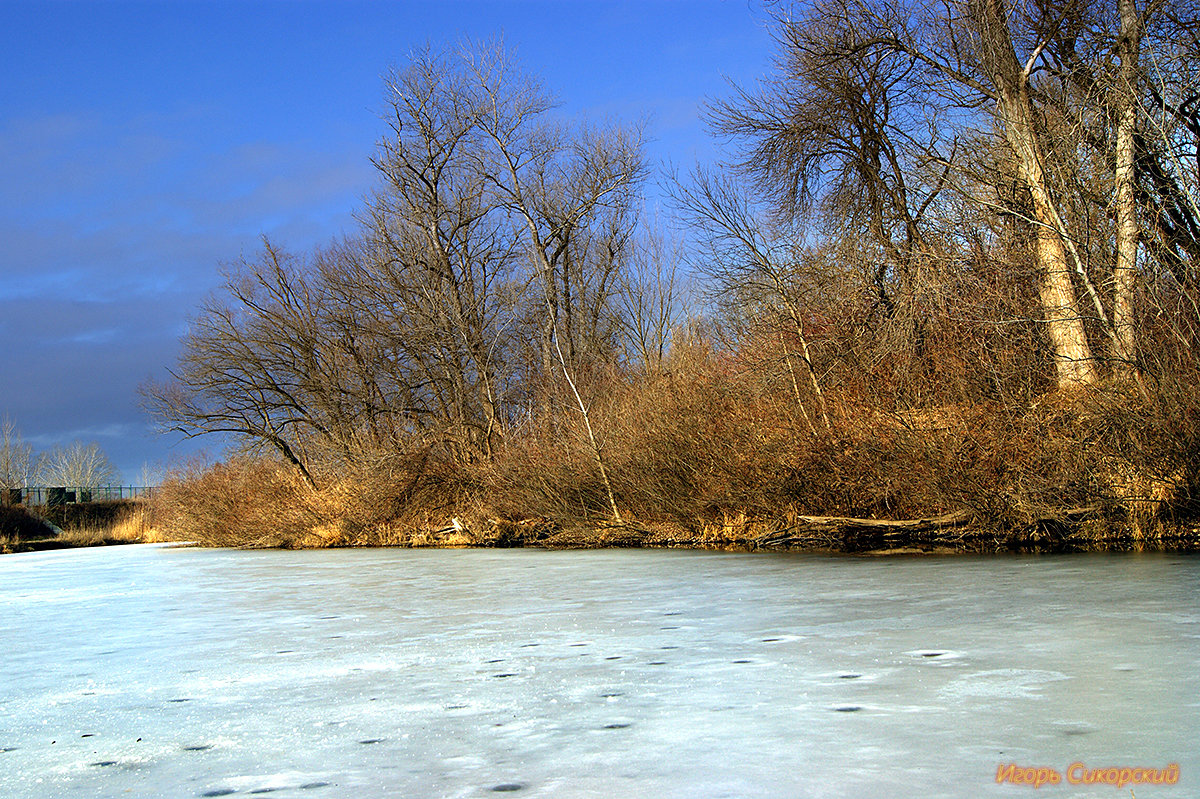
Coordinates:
column 766, row 538
column 1070, row 532
column 1079, row 530
column 963, row 542
column 50, row 544
column 982, row 545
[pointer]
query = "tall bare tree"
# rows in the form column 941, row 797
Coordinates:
column 920, row 80
column 845, row 136
column 652, row 298
column 77, row 465
column 486, row 272
column 1128, row 235
column 16, row 457
column 252, row 364
column 755, row 261
column 572, row 191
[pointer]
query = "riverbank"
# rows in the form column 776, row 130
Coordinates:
column 1077, row 530
column 255, row 504
column 702, row 455
column 952, row 534
column 71, row 526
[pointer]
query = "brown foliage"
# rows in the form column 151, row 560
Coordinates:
column 711, row 450
column 917, row 319
column 245, row 502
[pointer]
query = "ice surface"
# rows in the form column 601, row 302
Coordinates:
column 163, row 672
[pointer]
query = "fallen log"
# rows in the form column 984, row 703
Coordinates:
column 961, row 530
column 854, row 534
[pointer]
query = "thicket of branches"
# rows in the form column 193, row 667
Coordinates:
column 950, row 265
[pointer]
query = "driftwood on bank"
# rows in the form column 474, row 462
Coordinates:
column 800, row 532
column 1047, row 530
column 853, row 534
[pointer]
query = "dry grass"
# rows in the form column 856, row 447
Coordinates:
column 248, row 503
column 258, row 503
column 131, row 527
column 100, row 524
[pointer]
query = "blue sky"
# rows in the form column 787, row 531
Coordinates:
column 143, row 145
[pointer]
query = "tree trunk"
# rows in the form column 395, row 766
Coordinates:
column 1072, row 353
column 787, row 357
column 1073, row 359
column 1127, row 238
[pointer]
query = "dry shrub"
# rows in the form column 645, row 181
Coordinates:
column 679, row 444
column 1147, row 444
column 712, row 451
column 403, row 498
column 698, row 441
column 709, row 442
column 244, row 502
column 396, row 499
column 710, row 446
column 549, row 472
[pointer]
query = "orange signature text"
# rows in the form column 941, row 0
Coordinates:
column 1080, row 774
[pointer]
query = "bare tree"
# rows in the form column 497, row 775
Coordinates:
column 77, row 465
column 572, row 192
column 1009, row 86
column 16, row 457
column 916, row 82
column 1128, row 234
column 755, row 261
column 1100, row 166
column 570, row 189
column 486, row 273
column 1168, row 154
column 496, row 218
column 443, row 268
column 652, row 300
column 252, row 364
column 847, row 136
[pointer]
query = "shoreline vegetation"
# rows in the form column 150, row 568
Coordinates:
column 933, row 300
column 754, row 486
column 253, row 503
column 80, row 525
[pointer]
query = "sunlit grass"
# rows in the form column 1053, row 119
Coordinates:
column 132, row 527
column 24, row 529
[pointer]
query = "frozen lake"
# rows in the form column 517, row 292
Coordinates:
column 162, row 672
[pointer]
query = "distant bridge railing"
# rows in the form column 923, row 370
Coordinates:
column 68, row 495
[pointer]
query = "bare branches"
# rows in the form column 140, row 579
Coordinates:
column 77, row 465
column 16, row 457
column 752, row 260
column 651, row 300
column 496, row 231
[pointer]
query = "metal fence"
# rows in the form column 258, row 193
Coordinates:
column 68, row 495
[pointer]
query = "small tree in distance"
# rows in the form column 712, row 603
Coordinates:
column 77, row 465
column 16, row 457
